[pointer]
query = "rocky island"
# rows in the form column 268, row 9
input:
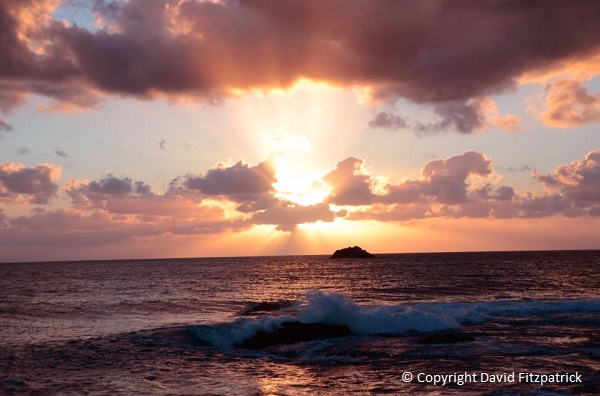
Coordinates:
column 352, row 252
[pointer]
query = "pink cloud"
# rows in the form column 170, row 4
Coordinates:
column 36, row 185
column 396, row 212
column 250, row 186
column 578, row 181
column 447, row 178
column 121, row 195
column 443, row 191
column 114, row 211
column 443, row 180
column 424, row 53
column 238, row 179
column 287, row 216
column 64, row 228
column 96, row 193
column 350, row 182
column 568, row 103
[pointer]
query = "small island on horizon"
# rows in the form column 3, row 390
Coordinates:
column 352, row 252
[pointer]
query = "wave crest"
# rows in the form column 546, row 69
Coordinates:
column 339, row 309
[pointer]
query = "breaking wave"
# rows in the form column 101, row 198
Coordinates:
column 340, row 309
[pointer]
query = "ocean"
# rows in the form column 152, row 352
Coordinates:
column 492, row 323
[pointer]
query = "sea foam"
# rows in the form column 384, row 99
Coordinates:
column 340, row 309
column 337, row 308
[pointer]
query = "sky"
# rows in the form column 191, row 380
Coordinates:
column 188, row 128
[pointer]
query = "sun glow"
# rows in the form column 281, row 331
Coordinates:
column 299, row 133
column 296, row 186
column 297, row 180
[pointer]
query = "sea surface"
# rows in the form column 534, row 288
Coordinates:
column 446, row 323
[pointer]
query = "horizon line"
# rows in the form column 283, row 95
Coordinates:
column 298, row 255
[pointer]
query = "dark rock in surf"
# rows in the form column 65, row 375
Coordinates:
column 445, row 338
column 292, row 332
column 352, row 252
column 265, row 306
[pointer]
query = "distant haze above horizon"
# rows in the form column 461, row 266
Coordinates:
column 186, row 128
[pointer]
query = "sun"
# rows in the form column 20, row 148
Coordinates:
column 298, row 180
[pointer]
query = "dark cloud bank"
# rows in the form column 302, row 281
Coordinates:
column 447, row 54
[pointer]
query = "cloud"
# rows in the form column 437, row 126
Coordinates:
column 129, row 208
column 23, row 151
column 74, row 229
column 121, row 195
column 11, row 95
column 397, row 212
column 502, row 193
column 112, row 185
column 443, row 180
column 4, row 127
column 578, row 181
column 532, row 206
column 114, row 210
column 446, row 178
column 463, row 117
column 233, row 180
column 34, row 60
column 572, row 190
column 567, row 103
column 287, row 216
column 250, row 186
column 386, row 120
column 61, row 154
column 64, row 220
column 118, row 210
column 351, row 183
column 436, row 53
column 37, row 185
column 522, row 168
column 96, row 193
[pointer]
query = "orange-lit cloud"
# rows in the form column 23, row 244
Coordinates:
column 567, row 103
column 443, row 181
column 578, row 68
column 445, row 190
column 460, row 186
column 578, row 181
column 287, row 215
column 115, row 210
column 351, row 183
column 425, row 53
